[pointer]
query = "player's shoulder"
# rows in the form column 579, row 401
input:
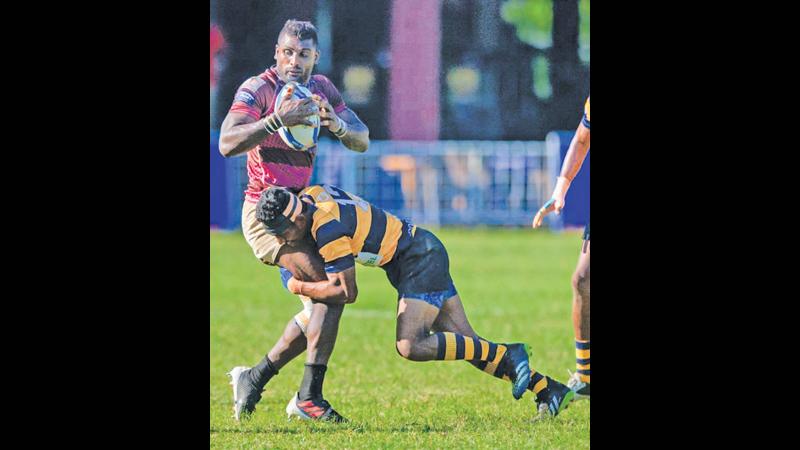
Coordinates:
column 320, row 193
column 322, row 82
column 586, row 114
column 265, row 80
column 320, row 78
column 324, row 227
column 257, row 83
column 322, row 217
column 257, row 91
column 312, row 191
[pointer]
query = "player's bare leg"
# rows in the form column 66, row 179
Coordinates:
column 415, row 320
column 579, row 381
column 320, row 333
column 580, row 294
column 452, row 317
column 291, row 344
column 248, row 383
column 323, row 327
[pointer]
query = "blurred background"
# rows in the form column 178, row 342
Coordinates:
column 471, row 104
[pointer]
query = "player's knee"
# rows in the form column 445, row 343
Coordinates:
column 410, row 349
column 580, row 283
column 301, row 319
column 405, row 348
column 312, row 334
column 351, row 295
column 282, row 345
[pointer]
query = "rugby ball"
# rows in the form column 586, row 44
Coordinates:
column 298, row 137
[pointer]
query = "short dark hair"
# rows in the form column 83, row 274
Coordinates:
column 271, row 204
column 303, row 30
column 271, row 208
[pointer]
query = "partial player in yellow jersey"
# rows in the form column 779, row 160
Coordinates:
column 431, row 322
column 578, row 149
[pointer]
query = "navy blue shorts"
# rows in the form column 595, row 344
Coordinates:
column 586, row 232
column 285, row 275
column 422, row 271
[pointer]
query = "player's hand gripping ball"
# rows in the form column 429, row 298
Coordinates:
column 299, row 137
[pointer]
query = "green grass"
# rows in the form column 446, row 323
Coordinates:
column 515, row 287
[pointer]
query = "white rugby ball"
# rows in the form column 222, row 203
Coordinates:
column 298, row 137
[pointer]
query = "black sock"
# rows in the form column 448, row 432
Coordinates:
column 263, row 372
column 311, row 387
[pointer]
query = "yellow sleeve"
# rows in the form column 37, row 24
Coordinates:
column 335, row 249
column 320, row 218
column 586, row 121
column 586, row 110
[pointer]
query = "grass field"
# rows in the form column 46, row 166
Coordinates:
column 515, row 287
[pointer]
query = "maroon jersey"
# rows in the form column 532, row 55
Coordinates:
column 272, row 162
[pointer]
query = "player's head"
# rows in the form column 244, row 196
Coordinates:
column 283, row 215
column 296, row 51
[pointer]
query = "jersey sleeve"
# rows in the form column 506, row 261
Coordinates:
column 250, row 98
column 333, row 243
column 585, row 120
column 285, row 275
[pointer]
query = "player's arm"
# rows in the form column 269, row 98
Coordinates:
column 240, row 132
column 339, row 288
column 356, row 136
column 334, row 246
column 573, row 160
column 576, row 154
column 303, row 263
column 345, row 125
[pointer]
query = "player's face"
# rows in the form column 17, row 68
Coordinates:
column 295, row 234
column 295, row 58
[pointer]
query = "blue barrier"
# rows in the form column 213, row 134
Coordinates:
column 577, row 209
column 499, row 183
column 219, row 186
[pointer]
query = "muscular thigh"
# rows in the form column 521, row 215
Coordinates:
column 414, row 318
column 304, row 263
column 453, row 318
column 582, row 269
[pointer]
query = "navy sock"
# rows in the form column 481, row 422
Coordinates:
column 262, row 373
column 311, row 387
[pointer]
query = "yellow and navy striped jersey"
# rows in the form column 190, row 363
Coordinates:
column 585, row 120
column 331, row 239
column 373, row 235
